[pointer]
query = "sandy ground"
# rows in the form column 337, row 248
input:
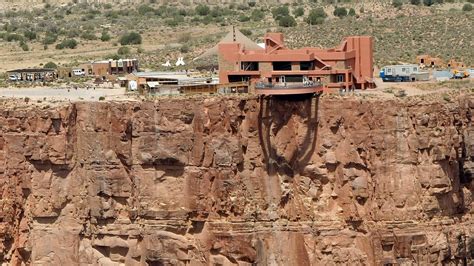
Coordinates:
column 64, row 94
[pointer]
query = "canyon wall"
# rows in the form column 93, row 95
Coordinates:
column 238, row 181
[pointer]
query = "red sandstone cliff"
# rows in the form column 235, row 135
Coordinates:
column 227, row 181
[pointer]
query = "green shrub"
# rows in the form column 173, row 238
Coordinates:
column 13, row 37
column 105, row 37
column 415, row 2
column 246, row 32
column 467, row 7
column 298, row 12
column 101, row 98
column 428, row 2
column 243, row 18
column 144, row 9
column 257, row 15
column 30, row 35
column 397, row 3
column 68, row 43
column 124, row 50
column 203, row 10
column 130, row 38
column 316, row 16
column 50, row 65
column 287, row 21
column 340, row 12
column 280, row 12
column 90, row 36
column 352, row 12
column 184, row 49
column 24, row 46
column 50, row 38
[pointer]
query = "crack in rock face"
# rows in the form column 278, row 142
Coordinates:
column 238, row 181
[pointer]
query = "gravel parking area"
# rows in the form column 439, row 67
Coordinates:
column 64, row 94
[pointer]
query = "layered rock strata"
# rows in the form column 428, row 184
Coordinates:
column 238, row 181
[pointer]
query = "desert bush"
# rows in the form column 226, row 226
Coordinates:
column 298, row 12
column 340, row 12
column 124, row 50
column 185, row 49
column 415, row 2
column 105, row 37
column 428, row 2
column 467, row 7
column 246, row 32
column 316, row 16
column 130, row 38
column 30, row 35
column 280, row 12
column 13, row 37
column 397, row 3
column 203, row 10
column 257, row 15
column 287, row 21
column 145, row 9
column 243, row 18
column 24, row 46
column 90, row 36
column 67, row 43
column 352, row 12
column 50, row 65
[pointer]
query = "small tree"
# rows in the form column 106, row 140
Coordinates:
column 316, row 16
column 287, row 21
column 340, row 12
column 130, row 38
column 467, row 7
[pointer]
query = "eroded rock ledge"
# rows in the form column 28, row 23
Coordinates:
column 227, row 181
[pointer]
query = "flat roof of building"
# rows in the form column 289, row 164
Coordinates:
column 31, row 70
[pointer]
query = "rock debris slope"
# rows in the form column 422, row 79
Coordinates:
column 238, row 181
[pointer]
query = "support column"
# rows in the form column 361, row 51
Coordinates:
column 347, row 80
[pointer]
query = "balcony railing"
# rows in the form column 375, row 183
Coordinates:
column 285, row 86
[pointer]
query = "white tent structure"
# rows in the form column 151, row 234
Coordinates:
column 234, row 36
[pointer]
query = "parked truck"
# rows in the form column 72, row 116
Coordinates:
column 403, row 73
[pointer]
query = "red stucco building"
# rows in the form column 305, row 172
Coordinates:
column 350, row 65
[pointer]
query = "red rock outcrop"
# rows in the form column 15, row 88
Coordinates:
column 238, row 181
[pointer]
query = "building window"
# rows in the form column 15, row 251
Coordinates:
column 306, row 66
column 340, row 78
column 282, row 66
column 249, row 66
column 415, row 69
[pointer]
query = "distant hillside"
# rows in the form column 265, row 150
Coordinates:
column 400, row 39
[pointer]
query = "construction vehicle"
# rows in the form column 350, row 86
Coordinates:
column 460, row 74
